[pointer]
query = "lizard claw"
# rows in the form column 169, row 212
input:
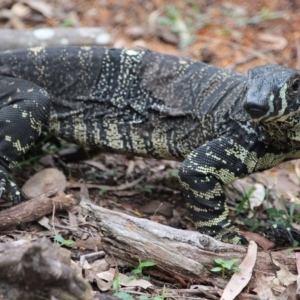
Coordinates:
column 9, row 187
column 13, row 193
column 2, row 187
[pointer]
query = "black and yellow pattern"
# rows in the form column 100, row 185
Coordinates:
column 222, row 125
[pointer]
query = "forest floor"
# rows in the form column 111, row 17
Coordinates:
column 232, row 34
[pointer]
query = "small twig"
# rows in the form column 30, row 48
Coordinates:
column 34, row 209
column 120, row 187
column 98, row 254
column 238, row 46
column 58, row 226
column 273, row 264
column 251, row 51
column 245, row 59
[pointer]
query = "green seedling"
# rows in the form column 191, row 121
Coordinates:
column 245, row 200
column 60, row 240
column 225, row 266
column 102, row 191
column 173, row 173
column 163, row 296
column 69, row 22
column 123, row 295
column 116, row 284
column 178, row 24
column 138, row 272
column 276, row 216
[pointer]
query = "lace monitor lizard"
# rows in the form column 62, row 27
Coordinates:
column 221, row 124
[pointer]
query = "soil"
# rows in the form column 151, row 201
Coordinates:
column 232, row 34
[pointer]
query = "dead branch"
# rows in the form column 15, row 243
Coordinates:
column 85, row 36
column 39, row 270
column 120, row 187
column 185, row 255
column 34, row 209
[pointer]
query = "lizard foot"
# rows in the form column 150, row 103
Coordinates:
column 282, row 236
column 9, row 187
column 232, row 237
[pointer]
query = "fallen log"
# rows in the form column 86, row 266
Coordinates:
column 180, row 255
column 85, row 36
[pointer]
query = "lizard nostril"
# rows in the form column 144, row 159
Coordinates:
column 255, row 110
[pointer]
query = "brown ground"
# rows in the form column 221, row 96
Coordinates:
column 232, row 34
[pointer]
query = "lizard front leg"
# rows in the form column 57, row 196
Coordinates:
column 24, row 110
column 202, row 176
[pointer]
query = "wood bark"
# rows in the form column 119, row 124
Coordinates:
column 34, row 209
column 84, row 36
column 182, row 256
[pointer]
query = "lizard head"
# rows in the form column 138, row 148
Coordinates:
column 273, row 93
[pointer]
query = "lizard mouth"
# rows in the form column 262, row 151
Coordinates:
column 256, row 112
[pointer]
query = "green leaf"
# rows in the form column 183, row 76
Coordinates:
column 102, row 191
column 68, row 242
column 290, row 250
column 116, row 284
column 229, row 263
column 59, row 239
column 123, row 295
column 216, row 269
column 219, row 261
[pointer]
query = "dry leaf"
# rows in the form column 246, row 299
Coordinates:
column 124, row 280
column 276, row 42
column 20, row 10
column 262, row 288
column 257, row 196
column 284, row 275
column 86, row 265
column 274, row 284
column 97, row 266
column 259, row 239
column 298, row 263
column 298, row 285
column 44, row 221
column 289, row 293
column 42, row 7
column 103, row 285
column 96, row 164
column 43, row 182
column 240, row 279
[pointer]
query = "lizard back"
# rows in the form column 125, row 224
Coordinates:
column 147, row 103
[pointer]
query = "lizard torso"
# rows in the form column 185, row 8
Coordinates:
column 130, row 101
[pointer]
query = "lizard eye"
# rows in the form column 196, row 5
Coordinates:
column 295, row 86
